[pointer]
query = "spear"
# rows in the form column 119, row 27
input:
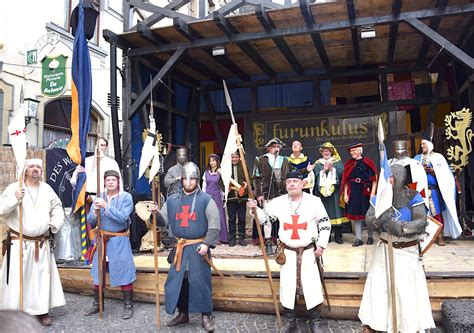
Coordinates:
column 391, row 267
column 251, row 197
column 100, row 248
column 156, row 239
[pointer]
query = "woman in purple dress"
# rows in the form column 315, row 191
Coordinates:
column 212, row 184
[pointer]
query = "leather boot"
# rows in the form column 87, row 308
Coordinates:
column 95, row 304
column 338, row 238
column 367, row 329
column 290, row 322
column 127, row 304
column 181, row 318
column 268, row 247
column 208, row 323
column 45, row 319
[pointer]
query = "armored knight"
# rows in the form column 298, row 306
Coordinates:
column 173, row 176
column 418, row 176
column 406, row 222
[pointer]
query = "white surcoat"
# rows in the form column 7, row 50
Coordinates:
column 300, row 225
column 42, row 288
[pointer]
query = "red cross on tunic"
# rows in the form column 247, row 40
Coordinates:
column 295, row 226
column 17, row 132
column 185, row 216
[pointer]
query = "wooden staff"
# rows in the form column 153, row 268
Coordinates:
column 392, row 283
column 254, row 210
column 98, row 237
column 156, row 238
column 20, row 231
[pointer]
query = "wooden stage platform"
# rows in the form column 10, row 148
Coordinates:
column 449, row 271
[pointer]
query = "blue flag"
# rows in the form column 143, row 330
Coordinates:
column 81, row 91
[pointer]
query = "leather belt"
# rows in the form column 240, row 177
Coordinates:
column 299, row 256
column 39, row 240
column 401, row 245
column 182, row 243
column 359, row 180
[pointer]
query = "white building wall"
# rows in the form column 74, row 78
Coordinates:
column 22, row 24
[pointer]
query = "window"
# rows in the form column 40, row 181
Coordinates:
column 57, row 123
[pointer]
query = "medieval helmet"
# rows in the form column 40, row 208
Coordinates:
column 190, row 170
column 181, row 155
column 400, row 148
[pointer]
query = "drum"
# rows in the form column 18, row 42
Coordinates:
column 433, row 229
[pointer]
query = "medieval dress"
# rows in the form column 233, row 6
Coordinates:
column 42, row 288
column 442, row 193
column 413, row 303
column 358, row 176
column 327, row 187
column 115, row 218
column 300, row 226
column 191, row 217
column 212, row 185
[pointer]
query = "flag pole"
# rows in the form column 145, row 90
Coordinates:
column 156, row 238
column 254, row 210
column 20, row 231
column 100, row 248
column 391, row 263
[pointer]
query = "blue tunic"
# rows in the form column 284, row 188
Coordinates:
column 189, row 223
column 436, row 200
column 115, row 218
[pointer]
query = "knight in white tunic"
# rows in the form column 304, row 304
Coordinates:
column 406, row 222
column 42, row 214
column 304, row 234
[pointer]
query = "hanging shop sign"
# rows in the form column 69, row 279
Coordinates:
column 53, row 76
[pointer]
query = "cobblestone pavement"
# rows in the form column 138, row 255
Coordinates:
column 70, row 319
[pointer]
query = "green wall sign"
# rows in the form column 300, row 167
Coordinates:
column 53, row 76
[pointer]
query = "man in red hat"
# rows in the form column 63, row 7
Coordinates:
column 359, row 184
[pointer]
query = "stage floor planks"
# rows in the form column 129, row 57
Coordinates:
column 456, row 256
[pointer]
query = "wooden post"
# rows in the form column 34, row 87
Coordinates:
column 156, row 234
column 20, row 231
column 98, row 237
column 260, row 238
column 393, row 293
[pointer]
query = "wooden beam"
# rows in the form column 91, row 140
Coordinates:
column 172, row 61
column 229, row 7
column 149, row 35
column 247, row 48
column 201, row 69
column 281, row 44
column 139, row 84
column 335, row 74
column 454, row 10
column 178, row 75
column 354, row 35
column 466, row 33
column 455, row 53
column 434, row 25
column 267, row 4
column 392, row 35
column 156, row 17
column 229, row 64
column 315, row 36
column 191, row 35
column 160, row 10
column 183, row 28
